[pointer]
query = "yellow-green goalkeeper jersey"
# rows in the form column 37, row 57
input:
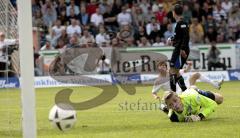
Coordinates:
column 194, row 104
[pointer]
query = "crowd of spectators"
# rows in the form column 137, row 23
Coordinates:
column 132, row 23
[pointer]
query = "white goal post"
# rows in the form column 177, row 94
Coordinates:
column 27, row 68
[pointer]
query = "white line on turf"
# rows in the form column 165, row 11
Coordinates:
column 236, row 106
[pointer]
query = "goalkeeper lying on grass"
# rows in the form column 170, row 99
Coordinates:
column 162, row 82
column 192, row 105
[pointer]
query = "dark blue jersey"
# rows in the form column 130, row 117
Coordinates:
column 181, row 36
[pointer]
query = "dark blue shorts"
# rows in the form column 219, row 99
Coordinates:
column 177, row 61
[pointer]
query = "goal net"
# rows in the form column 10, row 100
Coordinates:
column 8, row 19
column 10, row 104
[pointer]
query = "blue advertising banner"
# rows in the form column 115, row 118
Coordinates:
column 9, row 82
column 234, row 74
column 126, row 79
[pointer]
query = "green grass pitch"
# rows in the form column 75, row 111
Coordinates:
column 117, row 119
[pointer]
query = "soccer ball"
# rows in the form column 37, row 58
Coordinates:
column 62, row 116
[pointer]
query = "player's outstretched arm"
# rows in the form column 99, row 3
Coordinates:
column 156, row 88
column 155, row 96
column 187, row 69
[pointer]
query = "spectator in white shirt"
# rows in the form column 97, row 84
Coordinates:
column 124, row 17
column 47, row 46
column 218, row 13
column 226, row 5
column 158, row 42
column 72, row 6
column 233, row 23
column 57, row 29
column 103, row 65
column 102, row 37
column 74, row 28
column 56, row 32
column 97, row 18
column 4, row 43
column 150, row 26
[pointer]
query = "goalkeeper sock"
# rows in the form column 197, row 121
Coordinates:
column 181, row 83
column 173, row 78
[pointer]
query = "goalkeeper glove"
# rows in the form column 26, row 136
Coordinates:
column 192, row 118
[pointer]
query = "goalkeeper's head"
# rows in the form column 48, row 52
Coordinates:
column 173, row 101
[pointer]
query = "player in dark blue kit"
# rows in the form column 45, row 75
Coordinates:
column 181, row 50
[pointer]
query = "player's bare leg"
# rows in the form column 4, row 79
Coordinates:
column 193, row 78
column 197, row 76
column 218, row 98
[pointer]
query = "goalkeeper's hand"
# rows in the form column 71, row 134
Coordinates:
column 192, row 118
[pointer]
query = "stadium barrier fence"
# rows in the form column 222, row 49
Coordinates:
column 108, row 79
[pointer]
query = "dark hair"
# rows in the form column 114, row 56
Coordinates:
column 103, row 57
column 162, row 63
column 169, row 96
column 178, row 9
